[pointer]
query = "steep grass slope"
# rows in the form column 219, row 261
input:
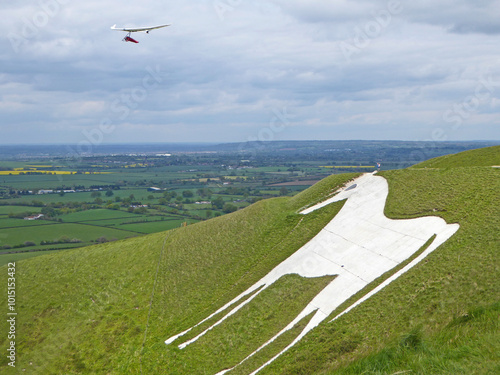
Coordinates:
column 483, row 157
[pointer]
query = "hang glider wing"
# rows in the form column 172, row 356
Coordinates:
column 137, row 29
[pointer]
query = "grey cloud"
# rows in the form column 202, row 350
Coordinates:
column 464, row 17
column 468, row 16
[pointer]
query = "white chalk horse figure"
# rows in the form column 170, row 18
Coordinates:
column 358, row 245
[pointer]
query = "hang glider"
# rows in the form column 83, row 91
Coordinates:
column 131, row 30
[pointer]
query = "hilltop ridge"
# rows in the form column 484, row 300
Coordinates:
column 483, row 157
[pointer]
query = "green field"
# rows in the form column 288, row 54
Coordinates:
column 15, row 223
column 6, row 258
column 84, row 226
column 139, row 194
column 6, row 210
column 50, row 232
column 97, row 215
column 54, row 231
column 155, row 226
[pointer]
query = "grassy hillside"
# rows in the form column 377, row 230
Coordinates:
column 107, row 309
column 442, row 317
column 483, row 157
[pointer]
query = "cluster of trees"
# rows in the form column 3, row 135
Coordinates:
column 138, row 210
column 103, row 239
column 106, row 187
column 63, row 239
column 25, row 244
column 226, row 207
column 35, row 173
column 233, row 190
column 19, row 192
column 97, row 194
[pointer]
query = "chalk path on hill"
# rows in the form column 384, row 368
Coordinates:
column 358, row 245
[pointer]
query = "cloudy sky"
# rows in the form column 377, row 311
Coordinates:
column 237, row 70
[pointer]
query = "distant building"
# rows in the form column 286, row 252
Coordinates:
column 34, row 217
column 154, row 189
column 45, row 191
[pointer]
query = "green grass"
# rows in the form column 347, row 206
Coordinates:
column 484, row 157
column 6, row 210
column 156, row 226
column 92, row 310
column 466, row 345
column 93, row 215
column 460, row 276
column 54, row 181
column 272, row 349
column 139, row 194
column 52, row 198
column 114, row 224
column 244, row 332
column 117, row 222
column 38, row 233
column 6, row 258
column 15, row 223
column 72, row 296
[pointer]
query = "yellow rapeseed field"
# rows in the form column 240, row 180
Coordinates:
column 20, row 172
column 346, row 166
